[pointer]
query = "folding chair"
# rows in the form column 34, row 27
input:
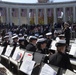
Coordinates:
column 5, row 57
column 15, row 60
column 38, row 58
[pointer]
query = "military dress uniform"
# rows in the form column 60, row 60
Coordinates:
column 60, row 59
column 31, row 47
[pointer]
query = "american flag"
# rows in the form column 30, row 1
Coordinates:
column 14, row 12
column 23, row 12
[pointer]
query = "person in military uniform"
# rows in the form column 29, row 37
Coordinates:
column 32, row 44
column 67, row 33
column 15, row 40
column 60, row 58
column 42, row 48
column 49, row 39
column 25, row 41
column 21, row 43
column 6, row 41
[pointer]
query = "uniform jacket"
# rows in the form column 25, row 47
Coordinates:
column 31, row 47
column 61, row 60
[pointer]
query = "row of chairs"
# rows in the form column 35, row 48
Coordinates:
column 23, row 62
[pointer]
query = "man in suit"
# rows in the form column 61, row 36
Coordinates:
column 60, row 58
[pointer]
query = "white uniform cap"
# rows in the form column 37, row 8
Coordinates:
column 20, row 34
column 41, row 40
column 61, row 43
column 16, row 36
column 61, row 35
column 40, row 36
column 47, row 34
column 22, row 38
column 36, row 35
column 25, row 35
column 32, row 37
column 6, row 37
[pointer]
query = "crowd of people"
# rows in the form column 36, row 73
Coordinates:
column 38, row 39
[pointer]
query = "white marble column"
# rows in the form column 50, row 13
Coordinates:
column 74, row 15
column 55, row 16
column 7, row 15
column 64, row 14
column 19, row 16
column 28, row 19
column 36, row 15
column 10, row 16
column 45, row 16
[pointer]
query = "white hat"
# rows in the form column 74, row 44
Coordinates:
column 32, row 37
column 61, row 43
column 36, row 35
column 16, row 36
column 40, row 36
column 61, row 35
column 22, row 38
column 41, row 40
column 47, row 34
column 6, row 37
column 20, row 34
column 25, row 35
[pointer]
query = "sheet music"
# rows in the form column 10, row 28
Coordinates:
column 73, row 51
column 53, row 47
column 8, row 51
column 16, row 53
column 47, row 70
column 28, row 56
column 19, row 55
column 1, row 49
column 27, row 66
column 68, row 72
